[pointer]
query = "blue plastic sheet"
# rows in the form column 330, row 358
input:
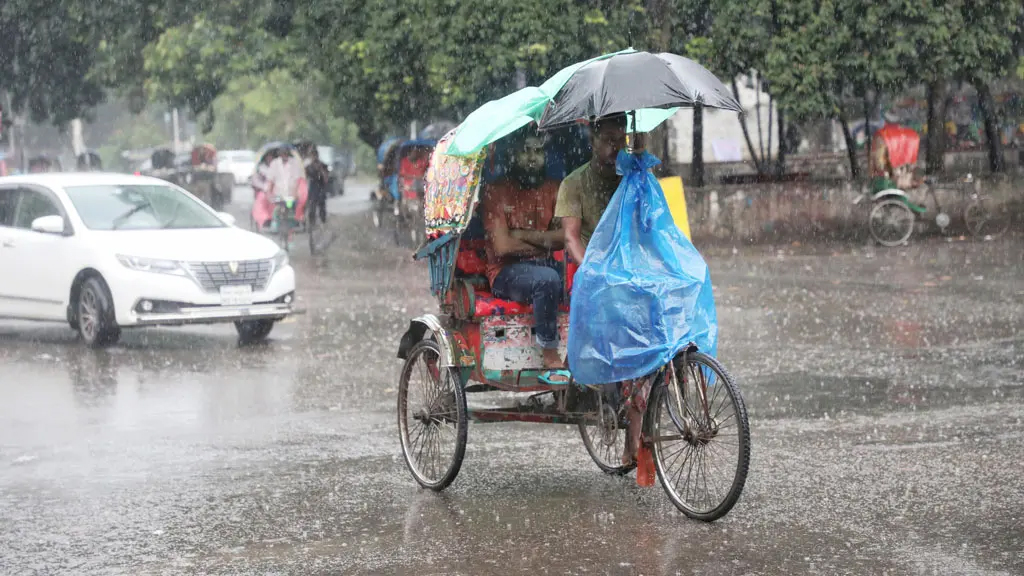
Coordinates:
column 643, row 292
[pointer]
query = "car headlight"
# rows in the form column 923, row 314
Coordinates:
column 280, row 260
column 152, row 265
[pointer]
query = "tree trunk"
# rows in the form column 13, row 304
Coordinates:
column 697, row 165
column 936, row 143
column 867, row 124
column 771, row 133
column 757, row 110
column 746, row 131
column 991, row 119
column 780, row 158
column 851, row 146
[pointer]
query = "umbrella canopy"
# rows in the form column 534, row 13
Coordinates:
column 499, row 118
column 270, row 146
column 635, row 81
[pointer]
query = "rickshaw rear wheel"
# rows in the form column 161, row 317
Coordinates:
column 697, row 425
column 432, row 417
column 891, row 222
column 604, row 435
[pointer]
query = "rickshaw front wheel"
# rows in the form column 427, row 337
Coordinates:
column 432, row 417
column 604, row 434
column 697, row 425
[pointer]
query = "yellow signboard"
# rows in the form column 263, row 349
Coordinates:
column 673, row 189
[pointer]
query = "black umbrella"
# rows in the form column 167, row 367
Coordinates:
column 633, row 81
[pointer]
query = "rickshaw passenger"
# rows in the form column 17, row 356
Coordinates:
column 582, row 199
column 521, row 231
column 414, row 165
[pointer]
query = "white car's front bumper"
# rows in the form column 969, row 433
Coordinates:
column 148, row 299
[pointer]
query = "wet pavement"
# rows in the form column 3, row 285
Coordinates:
column 885, row 390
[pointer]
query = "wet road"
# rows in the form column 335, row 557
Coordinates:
column 885, row 390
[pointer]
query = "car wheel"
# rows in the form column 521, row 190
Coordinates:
column 96, row 322
column 253, row 331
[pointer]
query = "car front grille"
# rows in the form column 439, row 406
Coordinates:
column 212, row 275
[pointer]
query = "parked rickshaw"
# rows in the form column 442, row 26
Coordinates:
column 403, row 170
column 695, row 435
column 893, row 213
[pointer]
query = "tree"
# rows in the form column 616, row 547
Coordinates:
column 984, row 50
column 45, row 59
column 254, row 110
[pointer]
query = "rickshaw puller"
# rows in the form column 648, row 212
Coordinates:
column 582, row 199
column 518, row 214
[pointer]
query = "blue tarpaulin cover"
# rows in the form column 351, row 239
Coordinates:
column 643, row 292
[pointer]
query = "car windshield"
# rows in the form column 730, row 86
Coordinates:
column 139, row 207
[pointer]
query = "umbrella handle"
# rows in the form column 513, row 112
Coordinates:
column 636, row 142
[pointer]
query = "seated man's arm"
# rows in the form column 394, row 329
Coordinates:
column 545, row 239
column 573, row 241
column 498, row 234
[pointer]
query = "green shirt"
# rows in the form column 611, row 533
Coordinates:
column 585, row 194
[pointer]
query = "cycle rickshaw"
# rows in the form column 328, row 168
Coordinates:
column 893, row 214
column 400, row 191
column 695, row 422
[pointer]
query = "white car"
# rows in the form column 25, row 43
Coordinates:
column 110, row 251
column 241, row 163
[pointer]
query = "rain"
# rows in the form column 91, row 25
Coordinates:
column 276, row 296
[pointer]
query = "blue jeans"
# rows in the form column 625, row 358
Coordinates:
column 537, row 282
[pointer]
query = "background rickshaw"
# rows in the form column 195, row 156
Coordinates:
column 381, row 195
column 403, row 169
column 285, row 214
column 479, row 343
column 893, row 214
column 202, row 179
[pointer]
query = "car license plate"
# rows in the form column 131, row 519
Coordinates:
column 235, row 295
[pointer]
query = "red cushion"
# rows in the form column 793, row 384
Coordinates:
column 488, row 305
column 471, row 258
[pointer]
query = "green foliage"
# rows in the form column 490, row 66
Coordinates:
column 254, row 110
column 45, row 57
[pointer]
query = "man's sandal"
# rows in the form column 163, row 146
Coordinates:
column 549, row 377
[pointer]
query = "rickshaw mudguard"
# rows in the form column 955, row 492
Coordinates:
column 897, row 193
column 888, row 192
column 454, row 350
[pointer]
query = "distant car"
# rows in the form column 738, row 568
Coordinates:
column 109, row 251
column 241, row 163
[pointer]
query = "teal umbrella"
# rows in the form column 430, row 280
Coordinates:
column 499, row 118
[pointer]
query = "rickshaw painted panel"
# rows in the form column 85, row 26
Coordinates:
column 451, row 191
column 507, row 343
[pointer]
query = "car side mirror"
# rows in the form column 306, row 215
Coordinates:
column 53, row 224
column 226, row 218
